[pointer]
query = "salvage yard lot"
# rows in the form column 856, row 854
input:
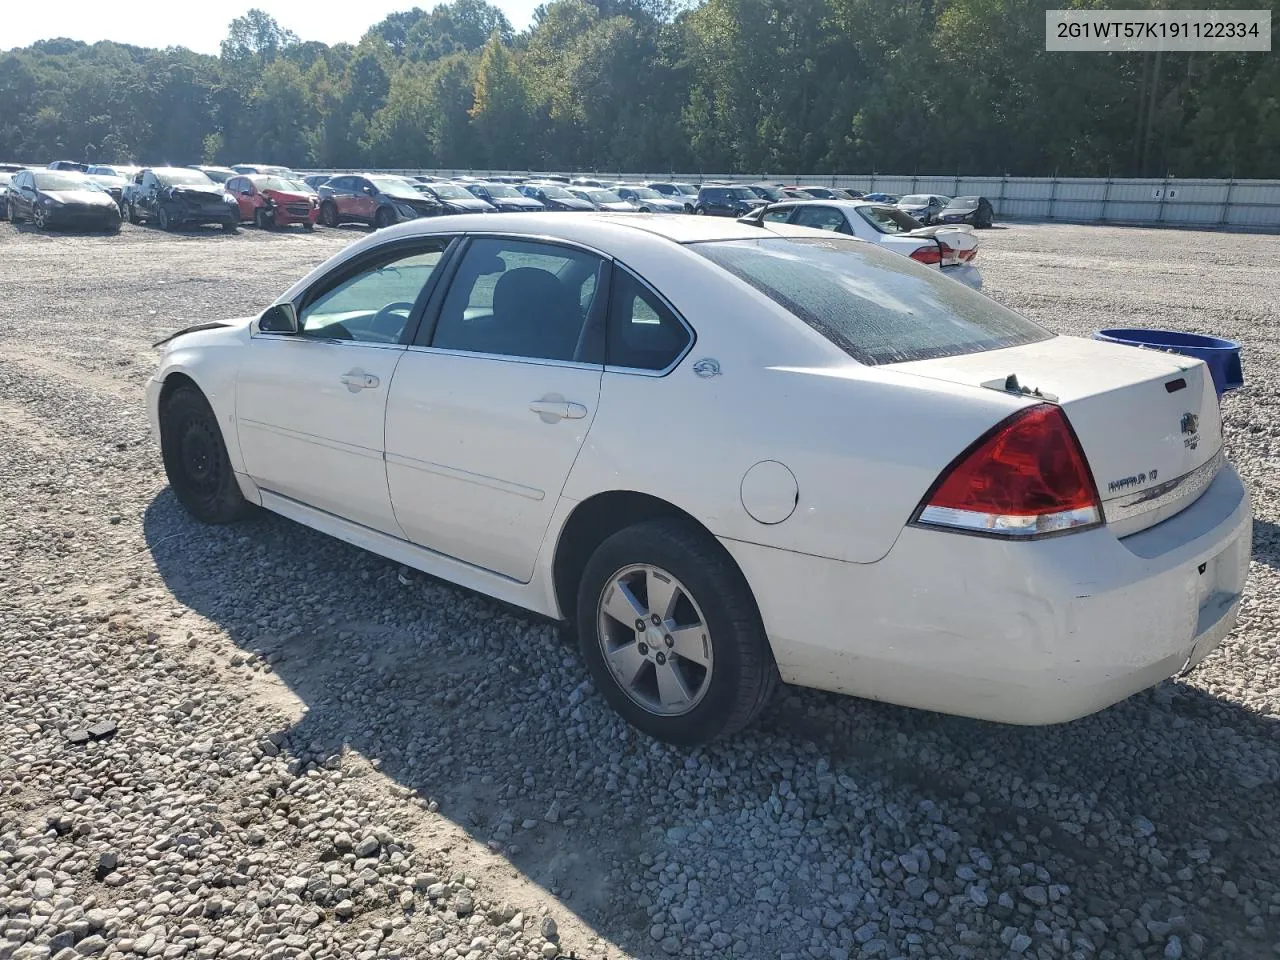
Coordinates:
column 321, row 754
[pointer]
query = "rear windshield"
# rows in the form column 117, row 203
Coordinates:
column 878, row 307
column 964, row 203
column 889, row 219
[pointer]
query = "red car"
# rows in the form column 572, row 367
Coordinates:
column 272, row 202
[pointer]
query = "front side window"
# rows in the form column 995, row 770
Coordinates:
column 642, row 332
column 778, row 214
column 878, row 307
column 372, row 305
column 518, row 298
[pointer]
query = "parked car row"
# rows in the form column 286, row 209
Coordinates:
column 271, row 196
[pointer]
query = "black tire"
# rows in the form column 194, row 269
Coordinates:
column 195, row 459
column 13, row 212
column 133, row 216
column 308, row 226
column 162, row 219
column 699, row 211
column 113, row 226
column 329, row 214
column 263, row 220
column 39, row 218
column 383, row 218
column 744, row 675
column 231, row 226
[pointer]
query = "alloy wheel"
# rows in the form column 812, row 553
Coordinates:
column 655, row 640
column 40, row 217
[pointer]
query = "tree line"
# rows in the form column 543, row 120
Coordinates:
column 752, row 86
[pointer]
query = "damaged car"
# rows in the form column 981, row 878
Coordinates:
column 172, row 197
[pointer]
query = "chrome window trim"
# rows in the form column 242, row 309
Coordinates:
column 508, row 358
column 1187, row 487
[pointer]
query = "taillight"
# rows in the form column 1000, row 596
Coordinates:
column 1026, row 477
column 930, row 255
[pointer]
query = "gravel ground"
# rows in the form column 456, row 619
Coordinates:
column 299, row 750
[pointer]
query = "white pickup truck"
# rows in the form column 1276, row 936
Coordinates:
column 950, row 248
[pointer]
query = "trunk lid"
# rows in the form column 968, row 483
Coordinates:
column 1148, row 421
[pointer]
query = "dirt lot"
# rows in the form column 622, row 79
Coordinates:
column 317, row 754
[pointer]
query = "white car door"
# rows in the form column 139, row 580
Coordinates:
column 488, row 412
column 310, row 406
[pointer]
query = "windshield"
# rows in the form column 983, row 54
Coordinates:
column 878, row 307
column 502, row 190
column 889, row 219
column 557, row 193
column 186, row 178
column 273, row 183
column 644, row 193
column 688, row 189
column 449, row 191
column 965, row 203
column 218, row 174
column 769, row 193
column 603, row 196
column 299, row 186
column 394, row 187
column 63, row 180
column 915, row 200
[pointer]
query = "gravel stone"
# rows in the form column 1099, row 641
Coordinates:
column 320, row 755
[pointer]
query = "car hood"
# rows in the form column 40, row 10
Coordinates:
column 198, row 193
column 573, row 203
column 526, row 202
column 624, row 206
column 471, row 203
column 281, row 196
column 84, row 198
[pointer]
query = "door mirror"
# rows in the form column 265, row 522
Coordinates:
column 369, row 190
column 280, row 318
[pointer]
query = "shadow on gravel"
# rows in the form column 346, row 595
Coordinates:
column 1266, row 543
column 1143, row 810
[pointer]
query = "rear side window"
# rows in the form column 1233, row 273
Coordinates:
column 821, row 218
column 878, row 307
column 643, row 333
column 889, row 219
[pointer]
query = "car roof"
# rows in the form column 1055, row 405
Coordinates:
column 592, row 229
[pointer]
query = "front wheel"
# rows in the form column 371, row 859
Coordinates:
column 163, row 220
column 40, row 218
column 133, row 215
column 308, row 226
column 263, row 220
column 671, row 633
column 329, row 214
column 383, row 218
column 195, row 458
column 13, row 213
column 699, row 211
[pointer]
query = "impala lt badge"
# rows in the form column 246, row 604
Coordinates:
column 1190, row 428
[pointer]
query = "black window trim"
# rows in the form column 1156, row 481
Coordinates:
column 358, row 264
column 642, row 371
column 426, row 331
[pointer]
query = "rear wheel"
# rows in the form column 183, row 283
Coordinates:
column 195, row 459
column 329, row 214
column 672, row 635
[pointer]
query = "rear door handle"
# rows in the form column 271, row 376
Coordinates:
column 552, row 410
column 357, row 380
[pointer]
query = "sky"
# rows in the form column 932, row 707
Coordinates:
column 202, row 27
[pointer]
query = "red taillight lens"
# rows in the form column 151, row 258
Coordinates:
column 1025, row 478
column 930, row 255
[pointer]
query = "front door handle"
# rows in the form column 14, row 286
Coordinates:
column 552, row 410
column 357, row 380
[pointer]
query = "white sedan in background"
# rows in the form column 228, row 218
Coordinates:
column 949, row 248
column 731, row 456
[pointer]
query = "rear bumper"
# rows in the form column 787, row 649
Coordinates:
column 1028, row 633
column 966, row 273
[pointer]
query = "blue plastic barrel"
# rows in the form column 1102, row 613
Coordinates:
column 1222, row 356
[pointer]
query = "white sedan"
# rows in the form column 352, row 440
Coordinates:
column 730, row 457
column 949, row 248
